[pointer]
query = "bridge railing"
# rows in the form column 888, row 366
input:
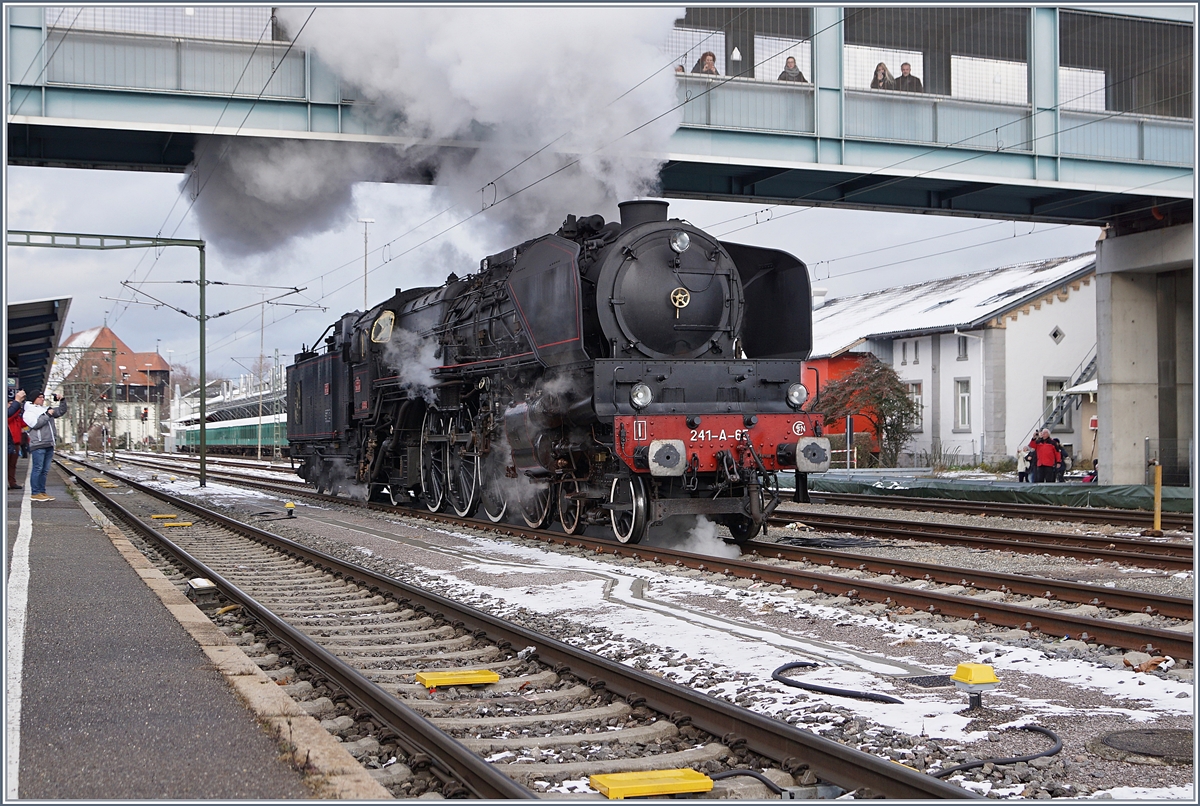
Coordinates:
column 746, row 104
column 923, row 118
column 1127, row 137
column 176, row 64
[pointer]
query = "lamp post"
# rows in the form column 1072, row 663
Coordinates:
column 365, row 222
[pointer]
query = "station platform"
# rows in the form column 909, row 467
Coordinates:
column 113, row 697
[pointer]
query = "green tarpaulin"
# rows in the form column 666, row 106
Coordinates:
column 1116, row 496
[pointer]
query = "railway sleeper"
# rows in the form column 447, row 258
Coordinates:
column 411, row 671
column 646, row 734
column 604, row 712
column 406, row 648
column 482, row 655
column 531, row 698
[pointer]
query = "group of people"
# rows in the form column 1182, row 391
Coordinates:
column 1045, row 461
column 882, row 80
column 907, row 82
column 31, row 433
column 707, row 65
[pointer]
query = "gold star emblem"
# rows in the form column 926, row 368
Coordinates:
column 680, row 298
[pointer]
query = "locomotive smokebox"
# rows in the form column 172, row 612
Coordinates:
column 642, row 212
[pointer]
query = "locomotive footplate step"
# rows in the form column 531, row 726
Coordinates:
column 148, row 716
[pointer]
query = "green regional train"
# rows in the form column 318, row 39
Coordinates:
column 234, row 437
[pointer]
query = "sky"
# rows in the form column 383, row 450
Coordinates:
column 281, row 216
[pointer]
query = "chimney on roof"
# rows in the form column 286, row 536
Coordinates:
column 818, row 297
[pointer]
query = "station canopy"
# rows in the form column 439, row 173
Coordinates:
column 34, row 329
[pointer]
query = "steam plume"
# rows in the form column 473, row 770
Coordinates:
column 496, row 84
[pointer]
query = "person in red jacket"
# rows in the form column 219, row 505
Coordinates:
column 1047, row 455
column 15, row 424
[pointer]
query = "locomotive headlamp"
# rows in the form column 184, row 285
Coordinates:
column 796, row 395
column 641, row 396
column 680, row 242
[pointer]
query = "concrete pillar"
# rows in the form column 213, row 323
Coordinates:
column 935, row 393
column 995, row 394
column 1144, row 327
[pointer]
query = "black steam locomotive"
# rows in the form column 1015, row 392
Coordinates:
column 615, row 373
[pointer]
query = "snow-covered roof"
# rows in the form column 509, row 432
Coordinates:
column 962, row 301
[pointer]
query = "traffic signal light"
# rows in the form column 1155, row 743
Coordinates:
column 110, row 412
column 145, row 413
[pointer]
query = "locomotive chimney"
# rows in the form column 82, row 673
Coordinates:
column 642, row 212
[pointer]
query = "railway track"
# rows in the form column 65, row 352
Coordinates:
column 373, row 635
column 1169, row 555
column 1027, row 603
column 1139, row 519
column 1172, row 555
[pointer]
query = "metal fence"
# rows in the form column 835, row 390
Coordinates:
column 197, row 22
column 1125, row 87
column 1177, row 457
column 87, row 58
column 750, row 43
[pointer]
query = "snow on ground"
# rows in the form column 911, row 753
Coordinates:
column 638, row 603
column 643, row 603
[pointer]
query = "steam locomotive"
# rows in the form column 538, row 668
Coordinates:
column 610, row 373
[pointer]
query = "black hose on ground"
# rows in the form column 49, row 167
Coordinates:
column 771, row 785
column 972, row 764
column 777, row 676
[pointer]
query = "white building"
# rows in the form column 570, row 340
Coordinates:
column 986, row 355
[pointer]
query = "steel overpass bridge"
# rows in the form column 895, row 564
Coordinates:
column 88, row 97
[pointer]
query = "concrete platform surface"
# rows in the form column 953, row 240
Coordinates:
column 116, row 699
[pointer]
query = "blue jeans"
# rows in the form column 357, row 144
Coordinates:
column 40, row 469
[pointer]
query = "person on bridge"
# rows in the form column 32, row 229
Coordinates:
column 1047, row 457
column 15, row 426
column 791, row 72
column 707, row 64
column 907, row 82
column 40, row 420
column 883, row 79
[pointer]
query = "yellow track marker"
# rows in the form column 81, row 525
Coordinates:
column 177, row 523
column 164, row 517
column 457, row 677
column 618, row 785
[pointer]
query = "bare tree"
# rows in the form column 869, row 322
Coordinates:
column 875, row 392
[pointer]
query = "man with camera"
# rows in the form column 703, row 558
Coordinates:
column 1048, row 457
column 40, row 420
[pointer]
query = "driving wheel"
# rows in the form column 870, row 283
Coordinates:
column 628, row 505
column 433, row 462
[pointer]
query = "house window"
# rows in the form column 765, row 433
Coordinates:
column 917, row 423
column 962, row 348
column 1059, row 420
column 916, row 352
column 903, row 353
column 962, row 404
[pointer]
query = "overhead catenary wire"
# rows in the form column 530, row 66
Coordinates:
column 446, row 230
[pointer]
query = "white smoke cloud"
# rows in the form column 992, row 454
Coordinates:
column 694, row 533
column 413, row 358
column 499, row 83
